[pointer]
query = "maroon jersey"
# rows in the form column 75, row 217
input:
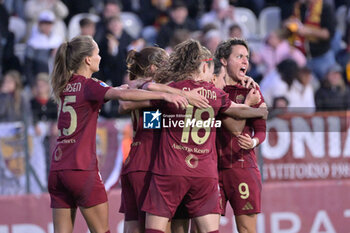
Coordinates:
column 78, row 109
column 229, row 152
column 144, row 146
column 187, row 145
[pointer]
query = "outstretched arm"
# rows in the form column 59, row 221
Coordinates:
column 193, row 97
column 244, row 111
column 128, row 106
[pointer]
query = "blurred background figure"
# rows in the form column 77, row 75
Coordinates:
column 112, row 8
column 334, row 94
column 14, row 107
column 41, row 47
column 8, row 59
column 221, row 14
column 235, row 31
column 113, row 51
column 211, row 40
column 87, row 27
column 180, row 35
column 44, row 111
column 300, row 93
column 312, row 29
column 178, row 20
column 33, row 9
column 275, row 50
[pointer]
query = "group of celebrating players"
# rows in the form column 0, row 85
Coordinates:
column 187, row 171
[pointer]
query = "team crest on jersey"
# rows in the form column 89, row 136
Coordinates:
column 151, row 119
column 240, row 99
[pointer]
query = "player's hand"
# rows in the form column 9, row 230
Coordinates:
column 178, row 100
column 196, row 99
column 253, row 98
column 245, row 141
column 265, row 112
column 249, row 82
column 124, row 86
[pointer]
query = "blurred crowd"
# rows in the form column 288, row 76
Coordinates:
column 299, row 56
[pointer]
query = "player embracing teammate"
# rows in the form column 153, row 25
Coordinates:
column 239, row 175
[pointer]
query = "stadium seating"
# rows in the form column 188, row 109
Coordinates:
column 341, row 19
column 247, row 19
column 269, row 20
column 19, row 27
column 132, row 24
column 74, row 27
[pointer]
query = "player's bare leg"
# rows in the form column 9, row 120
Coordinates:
column 246, row 223
column 63, row 219
column 96, row 217
column 180, row 225
column 155, row 222
column 133, row 226
column 208, row 223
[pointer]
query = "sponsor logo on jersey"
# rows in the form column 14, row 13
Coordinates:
column 151, row 119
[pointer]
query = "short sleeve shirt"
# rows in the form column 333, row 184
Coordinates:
column 78, row 109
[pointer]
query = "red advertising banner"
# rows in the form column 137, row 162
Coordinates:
column 307, row 147
column 293, row 207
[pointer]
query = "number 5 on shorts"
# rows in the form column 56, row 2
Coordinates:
column 243, row 190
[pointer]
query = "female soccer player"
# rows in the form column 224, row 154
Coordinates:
column 185, row 169
column 136, row 170
column 239, row 175
column 74, row 179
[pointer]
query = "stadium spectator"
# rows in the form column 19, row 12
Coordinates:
column 300, row 93
column 15, row 7
column 235, row 31
column 112, row 8
column 114, row 51
column 14, row 107
column 178, row 20
column 254, row 5
column 334, row 94
column 237, row 162
column 78, row 6
column 8, row 59
column 74, row 178
column 312, row 29
column 43, row 107
column 33, row 8
column 179, row 36
column 273, row 85
column 87, row 27
column 41, row 47
column 275, row 50
column 211, row 40
column 44, row 111
column 221, row 15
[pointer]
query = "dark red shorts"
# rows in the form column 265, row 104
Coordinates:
column 134, row 189
column 242, row 188
column 200, row 195
column 72, row 188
